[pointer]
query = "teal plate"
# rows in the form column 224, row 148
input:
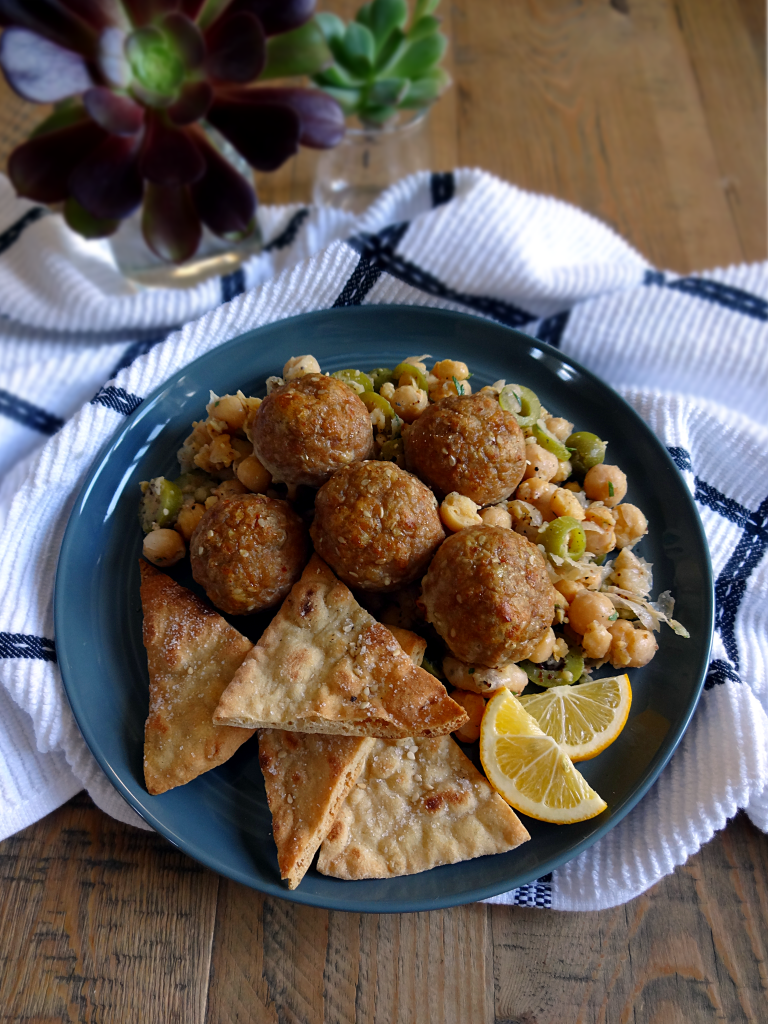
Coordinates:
column 222, row 818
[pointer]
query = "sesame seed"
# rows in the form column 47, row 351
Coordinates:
column 411, row 756
column 200, row 551
column 210, row 533
column 289, row 798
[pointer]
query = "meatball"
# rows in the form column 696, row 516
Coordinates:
column 248, row 551
column 468, row 444
column 487, row 593
column 376, row 526
column 310, row 427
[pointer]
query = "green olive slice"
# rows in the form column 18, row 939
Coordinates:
column 565, row 537
column 522, row 403
column 356, row 379
column 571, row 671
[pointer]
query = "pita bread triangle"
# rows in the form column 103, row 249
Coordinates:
column 325, row 665
column 192, row 654
column 417, row 804
column 307, row 777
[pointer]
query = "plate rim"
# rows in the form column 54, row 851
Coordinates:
column 350, row 903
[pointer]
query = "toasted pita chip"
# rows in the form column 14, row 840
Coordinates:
column 325, row 665
column 192, row 654
column 413, row 645
column 307, row 778
column 418, row 803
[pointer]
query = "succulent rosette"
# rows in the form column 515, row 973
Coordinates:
column 138, row 84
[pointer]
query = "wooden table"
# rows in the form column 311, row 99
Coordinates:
column 651, row 115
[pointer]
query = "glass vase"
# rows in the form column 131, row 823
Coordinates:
column 369, row 159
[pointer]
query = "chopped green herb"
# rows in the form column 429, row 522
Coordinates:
column 472, row 670
column 611, row 490
column 612, row 618
column 458, row 385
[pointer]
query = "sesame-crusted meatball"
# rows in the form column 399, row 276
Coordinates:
column 487, row 593
column 468, row 444
column 310, row 427
column 248, row 551
column 376, row 526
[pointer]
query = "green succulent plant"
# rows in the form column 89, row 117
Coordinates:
column 380, row 65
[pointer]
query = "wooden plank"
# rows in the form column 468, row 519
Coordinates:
column 731, row 81
column 598, row 107
column 692, row 949
column 102, row 922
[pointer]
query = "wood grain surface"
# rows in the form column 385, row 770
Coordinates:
column 651, row 115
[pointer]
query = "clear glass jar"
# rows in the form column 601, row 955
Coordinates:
column 370, row 159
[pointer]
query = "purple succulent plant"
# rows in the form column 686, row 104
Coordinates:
column 136, row 83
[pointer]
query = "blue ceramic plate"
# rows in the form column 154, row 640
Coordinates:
column 221, row 818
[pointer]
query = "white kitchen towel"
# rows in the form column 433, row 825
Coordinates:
column 80, row 350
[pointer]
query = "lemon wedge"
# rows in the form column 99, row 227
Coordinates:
column 583, row 719
column 528, row 768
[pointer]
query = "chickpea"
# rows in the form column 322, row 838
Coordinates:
column 605, row 483
column 409, row 402
column 561, row 428
column 228, row 408
column 253, row 475
column 630, row 647
column 479, row 679
column 300, row 366
column 526, row 519
column 188, row 518
column 596, row 641
column 495, row 515
column 228, row 488
column 631, row 525
column 598, row 529
column 163, row 547
column 588, row 608
column 564, row 503
column 540, row 463
column 569, row 588
column 447, row 389
column 448, row 368
column 387, row 391
column 564, row 470
column 539, row 494
column 457, row 512
column 474, row 705
column 544, row 648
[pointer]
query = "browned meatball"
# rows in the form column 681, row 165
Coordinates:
column 469, row 444
column 487, row 593
column 307, row 429
column 248, row 551
column 376, row 526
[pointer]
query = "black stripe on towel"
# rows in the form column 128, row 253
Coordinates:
column 365, row 275
column 720, row 672
column 29, row 415
column 21, row 645
column 442, row 188
column 729, row 509
column 681, row 458
column 289, row 232
column 117, row 399
column 11, row 234
column 536, row 894
column 735, row 299
column 732, row 581
column 132, row 353
column 379, row 250
column 551, row 330
column 232, row 285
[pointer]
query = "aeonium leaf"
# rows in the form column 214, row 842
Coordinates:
column 385, row 16
column 65, row 113
column 86, row 224
column 40, row 70
column 423, row 27
column 330, row 25
column 358, row 49
column 421, row 56
column 348, row 99
column 425, row 90
column 387, row 92
column 169, row 223
column 304, row 51
column 424, row 7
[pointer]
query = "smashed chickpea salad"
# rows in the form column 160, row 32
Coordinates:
column 569, row 504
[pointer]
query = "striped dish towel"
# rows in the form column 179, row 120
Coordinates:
column 79, row 350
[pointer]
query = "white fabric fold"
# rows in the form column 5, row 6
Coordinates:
column 79, row 347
